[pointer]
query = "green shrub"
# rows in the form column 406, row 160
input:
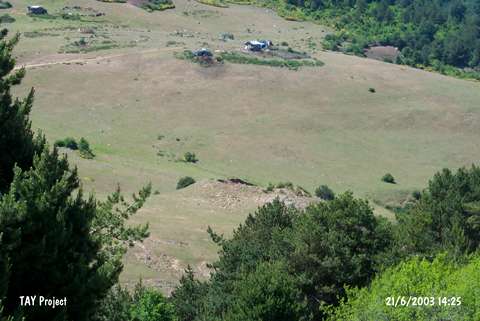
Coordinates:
column 151, row 305
column 185, row 181
column 416, row 195
column 388, row 178
column 68, row 142
column 417, row 278
column 84, row 149
column 300, row 191
column 190, row 157
column 292, row 64
column 288, row 185
column 6, row 18
column 59, row 143
column 325, row 193
column 160, row 5
column 270, row 187
column 372, row 90
column 144, row 304
column 269, row 293
column 5, row 5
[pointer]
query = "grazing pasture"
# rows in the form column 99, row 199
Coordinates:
column 114, row 80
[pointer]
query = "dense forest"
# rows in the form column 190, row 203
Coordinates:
column 335, row 260
column 440, row 34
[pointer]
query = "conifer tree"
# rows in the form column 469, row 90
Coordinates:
column 17, row 144
column 54, row 242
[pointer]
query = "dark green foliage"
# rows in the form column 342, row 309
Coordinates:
column 388, row 178
column 54, row 242
column 337, row 243
column 288, row 185
column 416, row 195
column 75, row 244
column 6, row 18
column 190, row 157
column 292, row 64
column 269, row 293
column 184, row 182
column 302, row 259
column 270, row 187
column 17, row 145
column 84, row 149
column 446, row 217
column 187, row 297
column 5, row 5
column 160, row 5
column 372, row 90
column 115, row 306
column 68, row 142
column 325, row 193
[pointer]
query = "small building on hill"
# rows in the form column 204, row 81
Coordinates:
column 37, row 10
column 203, row 53
column 258, row 45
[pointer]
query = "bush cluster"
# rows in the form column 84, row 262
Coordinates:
column 184, row 182
column 388, row 178
column 68, row 142
column 325, row 193
column 190, row 157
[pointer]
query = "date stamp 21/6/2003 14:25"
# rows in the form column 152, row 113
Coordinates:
column 422, row 301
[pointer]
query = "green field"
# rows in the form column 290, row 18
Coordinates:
column 125, row 89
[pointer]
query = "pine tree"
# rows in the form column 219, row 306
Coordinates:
column 54, row 242
column 17, row 144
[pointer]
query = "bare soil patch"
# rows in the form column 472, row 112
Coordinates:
column 234, row 194
column 383, row 53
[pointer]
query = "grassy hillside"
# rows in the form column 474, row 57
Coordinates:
column 141, row 109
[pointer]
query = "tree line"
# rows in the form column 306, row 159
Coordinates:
column 439, row 34
column 335, row 260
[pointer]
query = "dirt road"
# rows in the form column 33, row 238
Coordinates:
column 93, row 59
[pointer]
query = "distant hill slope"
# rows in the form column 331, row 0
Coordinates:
column 439, row 34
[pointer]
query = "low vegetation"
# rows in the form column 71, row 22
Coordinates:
column 185, row 182
column 215, row 3
column 157, row 5
column 68, row 142
column 325, row 193
column 292, row 64
column 204, row 61
column 190, row 157
column 298, row 190
column 84, row 149
column 5, row 5
column 82, row 146
column 84, row 45
column 6, row 18
column 388, row 178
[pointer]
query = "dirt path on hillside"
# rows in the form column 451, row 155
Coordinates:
column 94, row 59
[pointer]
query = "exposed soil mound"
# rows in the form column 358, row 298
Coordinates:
column 383, row 53
column 236, row 193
